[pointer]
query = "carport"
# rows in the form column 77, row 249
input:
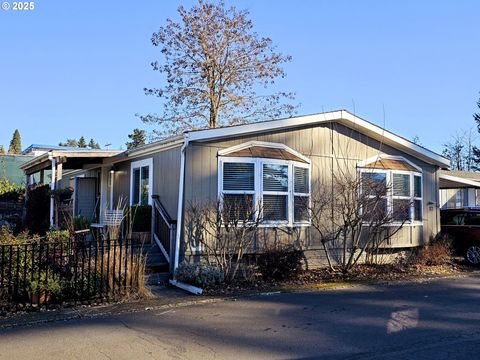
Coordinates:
column 458, row 188
column 70, row 162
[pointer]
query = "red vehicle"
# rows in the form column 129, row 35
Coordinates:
column 464, row 227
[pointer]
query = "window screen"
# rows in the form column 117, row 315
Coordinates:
column 237, row 206
column 275, row 177
column 401, row 184
column 301, row 180
column 238, row 176
column 374, row 182
column 275, row 207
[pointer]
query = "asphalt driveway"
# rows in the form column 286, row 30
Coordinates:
column 438, row 319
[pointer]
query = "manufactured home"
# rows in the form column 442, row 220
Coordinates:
column 280, row 163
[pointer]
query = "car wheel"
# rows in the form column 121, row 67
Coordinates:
column 473, row 254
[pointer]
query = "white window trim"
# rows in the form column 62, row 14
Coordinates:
column 390, row 197
column 139, row 164
column 258, row 186
column 377, row 158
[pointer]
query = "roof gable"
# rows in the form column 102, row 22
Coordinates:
column 343, row 117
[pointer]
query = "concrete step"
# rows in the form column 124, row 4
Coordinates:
column 157, row 279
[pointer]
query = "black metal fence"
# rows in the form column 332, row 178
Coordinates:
column 41, row 273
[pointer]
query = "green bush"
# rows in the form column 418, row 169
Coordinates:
column 44, row 284
column 201, row 275
column 280, row 264
column 57, row 235
column 10, row 191
column 7, row 237
column 141, row 217
column 80, row 223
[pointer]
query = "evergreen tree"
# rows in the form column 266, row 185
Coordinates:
column 137, row 139
column 93, row 144
column 69, row 143
column 15, row 143
column 82, row 143
column 2, row 150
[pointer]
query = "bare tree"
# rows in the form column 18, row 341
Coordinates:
column 462, row 152
column 352, row 216
column 214, row 65
column 222, row 231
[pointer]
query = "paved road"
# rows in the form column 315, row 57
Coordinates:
column 435, row 320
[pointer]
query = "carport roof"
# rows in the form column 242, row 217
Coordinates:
column 451, row 180
column 71, row 159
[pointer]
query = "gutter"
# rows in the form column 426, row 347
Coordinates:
column 181, row 186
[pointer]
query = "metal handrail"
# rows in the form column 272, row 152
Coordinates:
column 158, row 205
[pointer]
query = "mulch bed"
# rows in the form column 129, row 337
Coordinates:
column 360, row 274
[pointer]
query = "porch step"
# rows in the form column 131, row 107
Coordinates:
column 155, row 279
column 156, row 262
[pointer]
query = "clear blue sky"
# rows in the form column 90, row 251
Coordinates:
column 72, row 68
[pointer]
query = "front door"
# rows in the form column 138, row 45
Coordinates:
column 86, row 197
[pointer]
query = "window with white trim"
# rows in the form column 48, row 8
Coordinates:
column 141, row 182
column 238, row 189
column 402, row 193
column 278, row 190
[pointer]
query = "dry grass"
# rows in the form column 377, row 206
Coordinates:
column 438, row 253
column 134, row 277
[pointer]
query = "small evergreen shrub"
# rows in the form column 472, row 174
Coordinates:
column 200, row 275
column 10, row 191
column 80, row 223
column 142, row 218
column 280, row 263
column 57, row 235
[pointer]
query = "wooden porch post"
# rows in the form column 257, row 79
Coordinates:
column 52, row 189
column 58, row 186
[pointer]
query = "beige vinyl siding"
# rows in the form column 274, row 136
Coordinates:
column 166, row 172
column 329, row 146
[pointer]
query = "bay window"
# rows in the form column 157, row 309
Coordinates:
column 238, row 189
column 401, row 193
column 278, row 191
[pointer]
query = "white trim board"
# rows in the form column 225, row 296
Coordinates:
column 273, row 145
column 379, row 157
column 138, row 164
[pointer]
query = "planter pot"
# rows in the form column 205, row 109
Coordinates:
column 39, row 298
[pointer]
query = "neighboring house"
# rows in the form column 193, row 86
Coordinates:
column 10, row 168
column 298, row 153
column 459, row 189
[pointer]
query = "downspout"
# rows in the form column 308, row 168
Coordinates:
column 181, row 186
column 52, row 189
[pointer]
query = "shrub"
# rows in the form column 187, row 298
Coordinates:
column 280, row 263
column 80, row 223
column 8, row 238
column 437, row 253
column 38, row 209
column 142, row 218
column 57, row 235
column 10, row 191
column 201, row 275
column 44, row 284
